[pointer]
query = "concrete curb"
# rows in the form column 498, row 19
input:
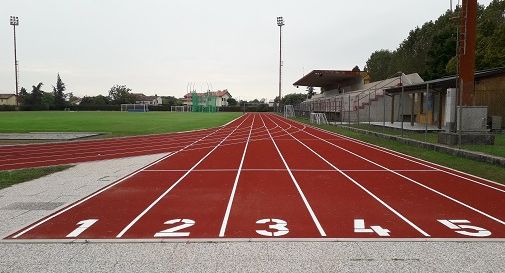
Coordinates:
column 495, row 160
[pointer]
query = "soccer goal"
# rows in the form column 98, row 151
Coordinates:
column 134, row 108
column 318, row 118
column 183, row 108
column 289, row 111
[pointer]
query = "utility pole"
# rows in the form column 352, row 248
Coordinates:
column 15, row 22
column 280, row 23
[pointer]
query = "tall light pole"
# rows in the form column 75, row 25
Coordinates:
column 280, row 23
column 15, row 22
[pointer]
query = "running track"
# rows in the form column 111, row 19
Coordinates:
column 262, row 176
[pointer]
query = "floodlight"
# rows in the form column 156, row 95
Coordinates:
column 280, row 21
column 14, row 21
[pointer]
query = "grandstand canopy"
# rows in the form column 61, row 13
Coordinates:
column 331, row 78
column 443, row 84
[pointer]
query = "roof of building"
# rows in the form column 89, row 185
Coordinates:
column 446, row 82
column 322, row 78
column 143, row 97
column 218, row 93
column 6, row 96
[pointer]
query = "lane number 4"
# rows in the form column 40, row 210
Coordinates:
column 458, row 225
column 359, row 227
column 280, row 227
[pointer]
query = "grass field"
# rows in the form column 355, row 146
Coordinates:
column 9, row 178
column 498, row 149
column 115, row 123
column 481, row 169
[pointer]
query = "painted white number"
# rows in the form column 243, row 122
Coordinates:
column 359, row 227
column 280, row 226
column 457, row 225
column 83, row 225
column 171, row 232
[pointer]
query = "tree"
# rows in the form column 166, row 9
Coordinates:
column 97, row 100
column 172, row 101
column 232, row 102
column 47, row 101
column 378, row 65
column 310, row 92
column 23, row 97
column 120, row 94
column 58, row 93
column 36, row 95
column 292, row 99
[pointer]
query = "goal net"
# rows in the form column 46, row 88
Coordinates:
column 183, row 108
column 134, row 108
column 289, row 111
column 318, row 118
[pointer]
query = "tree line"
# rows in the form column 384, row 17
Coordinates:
column 37, row 99
column 430, row 50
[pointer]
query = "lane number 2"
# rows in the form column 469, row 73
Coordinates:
column 359, row 227
column 83, row 225
column 280, row 227
column 174, row 231
column 458, row 225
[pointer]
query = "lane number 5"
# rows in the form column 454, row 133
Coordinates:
column 458, row 225
column 280, row 228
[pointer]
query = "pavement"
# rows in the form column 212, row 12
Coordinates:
column 25, row 203
column 46, row 136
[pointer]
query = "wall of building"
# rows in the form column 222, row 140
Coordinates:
column 491, row 93
column 9, row 101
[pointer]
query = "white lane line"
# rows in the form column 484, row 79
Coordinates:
column 175, row 184
column 417, row 161
column 424, row 233
column 235, row 184
column 414, row 181
column 309, row 208
column 281, row 170
column 103, row 149
column 107, row 187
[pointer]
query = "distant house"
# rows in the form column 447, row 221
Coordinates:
column 149, row 100
column 221, row 97
column 7, row 99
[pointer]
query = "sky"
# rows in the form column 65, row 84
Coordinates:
column 161, row 47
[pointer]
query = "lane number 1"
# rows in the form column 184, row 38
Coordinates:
column 359, row 227
column 458, row 225
column 83, row 225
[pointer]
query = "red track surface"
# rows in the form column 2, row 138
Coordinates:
column 262, row 176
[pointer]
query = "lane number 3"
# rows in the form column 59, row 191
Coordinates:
column 458, row 225
column 280, row 227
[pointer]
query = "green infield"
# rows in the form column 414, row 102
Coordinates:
column 115, row 123
column 9, row 178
